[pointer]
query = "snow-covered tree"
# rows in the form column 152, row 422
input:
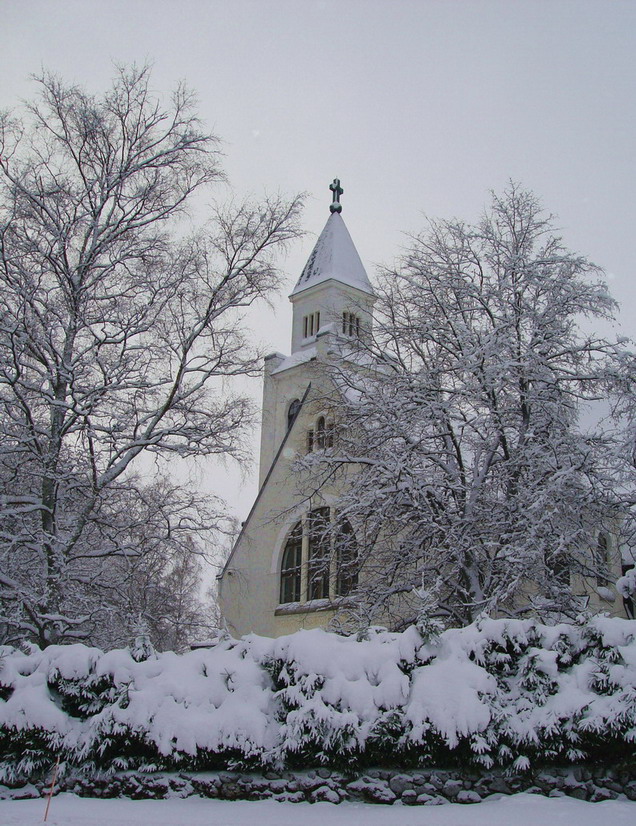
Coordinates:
column 119, row 326
column 474, row 480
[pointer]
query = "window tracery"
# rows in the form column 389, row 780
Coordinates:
column 320, row 559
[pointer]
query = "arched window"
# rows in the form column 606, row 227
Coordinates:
column 318, row 553
column 602, row 560
column 320, row 559
column 320, row 433
column 321, row 436
column 346, row 554
column 292, row 412
column 291, row 568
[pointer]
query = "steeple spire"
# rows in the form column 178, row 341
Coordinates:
column 337, row 191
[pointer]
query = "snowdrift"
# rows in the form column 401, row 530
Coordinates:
column 509, row 693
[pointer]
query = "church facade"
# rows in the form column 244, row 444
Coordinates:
column 286, row 570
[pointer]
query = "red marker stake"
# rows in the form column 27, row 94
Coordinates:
column 48, row 802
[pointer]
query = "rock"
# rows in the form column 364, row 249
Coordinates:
column 546, row 782
column 630, row 790
column 180, row 787
column 228, row 777
column 291, row 797
column 230, row 791
column 498, row 784
column 324, row 773
column 399, row 783
column 437, row 782
column 452, row 788
column 468, row 796
column 409, row 797
column 437, row 800
column 425, row 788
column 324, row 794
column 21, row 793
column 371, row 790
column 600, row 793
column 308, row 782
column 579, row 792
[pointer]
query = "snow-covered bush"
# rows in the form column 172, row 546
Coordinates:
column 509, row 693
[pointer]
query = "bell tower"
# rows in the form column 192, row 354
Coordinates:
column 332, row 305
column 333, row 293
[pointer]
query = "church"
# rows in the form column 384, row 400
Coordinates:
column 286, row 571
column 277, row 578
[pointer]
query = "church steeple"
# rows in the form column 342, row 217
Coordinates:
column 334, row 255
column 333, row 293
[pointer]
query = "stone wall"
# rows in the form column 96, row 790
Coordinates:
column 413, row 788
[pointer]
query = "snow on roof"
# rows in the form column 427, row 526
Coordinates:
column 299, row 357
column 334, row 256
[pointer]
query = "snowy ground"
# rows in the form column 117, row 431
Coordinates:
column 520, row 810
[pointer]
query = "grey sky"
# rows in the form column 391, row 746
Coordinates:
column 418, row 106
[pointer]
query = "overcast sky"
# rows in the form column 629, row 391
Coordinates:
column 419, row 106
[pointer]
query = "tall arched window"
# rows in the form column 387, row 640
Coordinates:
column 318, row 552
column 291, row 567
column 346, row 554
column 320, row 433
column 602, row 560
column 320, row 559
column 292, row 412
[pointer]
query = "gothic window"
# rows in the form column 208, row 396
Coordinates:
column 319, row 562
column 292, row 411
column 346, row 550
column 602, row 560
column 318, row 537
column 291, row 568
column 321, row 437
column 320, row 433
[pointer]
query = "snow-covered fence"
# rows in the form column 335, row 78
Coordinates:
column 508, row 693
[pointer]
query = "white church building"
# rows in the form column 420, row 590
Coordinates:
column 285, row 571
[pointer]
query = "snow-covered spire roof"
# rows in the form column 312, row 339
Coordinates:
column 334, row 257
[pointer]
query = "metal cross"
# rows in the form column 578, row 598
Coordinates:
column 337, row 190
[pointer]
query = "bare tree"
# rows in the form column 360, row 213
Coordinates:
column 117, row 329
column 474, row 487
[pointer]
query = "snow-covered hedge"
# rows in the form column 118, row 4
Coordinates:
column 508, row 693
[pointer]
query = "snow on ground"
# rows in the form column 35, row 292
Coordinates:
column 520, row 810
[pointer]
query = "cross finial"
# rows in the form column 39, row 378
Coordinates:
column 337, row 190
